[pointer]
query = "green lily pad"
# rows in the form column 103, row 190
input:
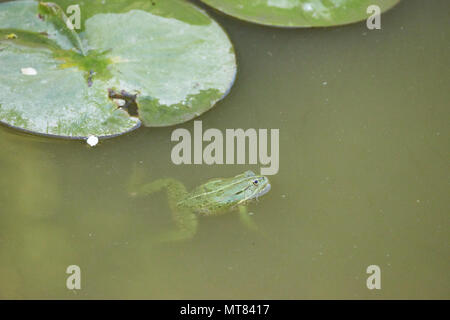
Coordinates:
column 159, row 62
column 300, row 13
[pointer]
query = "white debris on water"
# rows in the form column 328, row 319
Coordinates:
column 29, row 71
column 92, row 141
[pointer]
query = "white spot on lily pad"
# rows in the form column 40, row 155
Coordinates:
column 307, row 7
column 29, row 71
column 285, row 4
column 92, row 141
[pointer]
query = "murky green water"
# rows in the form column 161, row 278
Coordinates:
column 364, row 179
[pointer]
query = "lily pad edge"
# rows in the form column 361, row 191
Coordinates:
column 279, row 26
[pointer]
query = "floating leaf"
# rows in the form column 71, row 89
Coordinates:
column 159, row 62
column 300, row 13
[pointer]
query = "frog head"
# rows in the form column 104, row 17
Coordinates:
column 246, row 187
column 219, row 195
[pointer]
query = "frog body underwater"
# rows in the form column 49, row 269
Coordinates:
column 217, row 196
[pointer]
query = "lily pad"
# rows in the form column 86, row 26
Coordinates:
column 300, row 13
column 159, row 62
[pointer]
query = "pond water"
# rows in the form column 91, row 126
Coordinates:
column 363, row 179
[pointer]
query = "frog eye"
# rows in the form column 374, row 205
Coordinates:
column 255, row 182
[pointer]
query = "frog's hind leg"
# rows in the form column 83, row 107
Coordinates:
column 185, row 220
column 187, row 224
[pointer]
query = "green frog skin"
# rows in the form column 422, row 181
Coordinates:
column 216, row 196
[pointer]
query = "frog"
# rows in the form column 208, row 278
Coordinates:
column 214, row 197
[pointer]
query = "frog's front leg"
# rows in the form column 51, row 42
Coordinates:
column 246, row 219
column 185, row 220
